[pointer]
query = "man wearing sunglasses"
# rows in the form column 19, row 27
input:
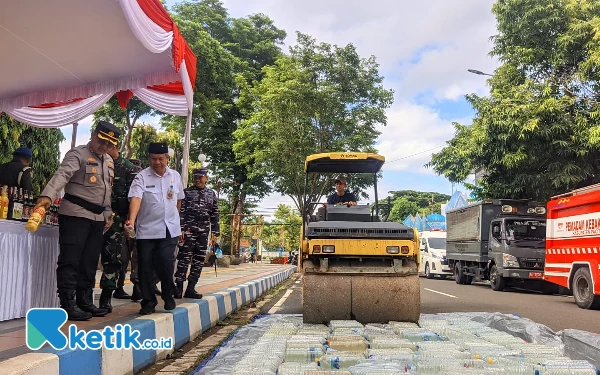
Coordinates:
column 86, row 174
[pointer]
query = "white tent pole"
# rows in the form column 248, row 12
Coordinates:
column 74, row 135
column 186, row 148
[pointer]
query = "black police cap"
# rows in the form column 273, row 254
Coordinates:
column 108, row 132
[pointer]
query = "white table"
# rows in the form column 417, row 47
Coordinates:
column 27, row 268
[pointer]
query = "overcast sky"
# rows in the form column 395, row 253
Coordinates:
column 424, row 48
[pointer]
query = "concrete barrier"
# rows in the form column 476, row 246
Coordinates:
column 183, row 324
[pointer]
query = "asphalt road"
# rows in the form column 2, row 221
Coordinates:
column 441, row 296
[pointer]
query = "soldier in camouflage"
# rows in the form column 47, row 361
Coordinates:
column 116, row 251
column 199, row 216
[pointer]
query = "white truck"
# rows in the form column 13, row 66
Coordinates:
column 433, row 255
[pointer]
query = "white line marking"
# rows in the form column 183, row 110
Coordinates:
column 444, row 294
column 276, row 307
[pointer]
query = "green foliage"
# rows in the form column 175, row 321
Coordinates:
column 537, row 133
column 321, row 98
column 225, row 47
column 126, row 120
column 45, row 144
column 284, row 231
column 410, row 202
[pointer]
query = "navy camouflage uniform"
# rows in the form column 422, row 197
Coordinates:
column 115, row 252
column 199, row 216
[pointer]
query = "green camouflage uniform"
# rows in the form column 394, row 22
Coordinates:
column 115, row 256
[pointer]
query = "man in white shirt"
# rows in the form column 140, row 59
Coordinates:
column 155, row 200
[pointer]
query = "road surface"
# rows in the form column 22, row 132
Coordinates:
column 440, row 296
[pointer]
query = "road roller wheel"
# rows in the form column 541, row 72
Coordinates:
column 365, row 298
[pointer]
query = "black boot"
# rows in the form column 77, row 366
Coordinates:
column 121, row 294
column 137, row 293
column 105, row 298
column 178, row 290
column 67, row 303
column 84, row 301
column 190, row 292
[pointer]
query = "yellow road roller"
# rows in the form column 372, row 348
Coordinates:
column 356, row 265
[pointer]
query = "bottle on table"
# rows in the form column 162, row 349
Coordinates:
column 4, row 203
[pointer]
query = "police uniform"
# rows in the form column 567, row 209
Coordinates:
column 157, row 227
column 116, row 252
column 15, row 172
column 87, row 181
column 199, row 214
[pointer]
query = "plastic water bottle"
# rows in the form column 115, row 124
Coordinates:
column 130, row 229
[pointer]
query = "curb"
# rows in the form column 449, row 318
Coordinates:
column 184, row 324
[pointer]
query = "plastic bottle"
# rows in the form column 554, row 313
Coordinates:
column 130, row 229
column 35, row 219
column 4, row 203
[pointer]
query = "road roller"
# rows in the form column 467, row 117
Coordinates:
column 355, row 264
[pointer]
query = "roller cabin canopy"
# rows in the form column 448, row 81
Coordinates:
column 344, row 162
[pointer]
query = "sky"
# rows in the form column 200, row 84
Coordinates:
column 424, row 49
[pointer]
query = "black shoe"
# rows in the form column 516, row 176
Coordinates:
column 157, row 291
column 67, row 303
column 105, row 300
column 84, row 301
column 190, row 292
column 121, row 294
column 178, row 290
column 137, row 293
column 148, row 308
column 170, row 304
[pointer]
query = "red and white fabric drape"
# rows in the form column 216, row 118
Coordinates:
column 170, row 92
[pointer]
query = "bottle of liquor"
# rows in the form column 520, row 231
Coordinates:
column 17, row 207
column 20, row 200
column 25, row 215
column 4, row 203
column 11, row 203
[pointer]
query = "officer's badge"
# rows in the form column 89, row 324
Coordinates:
column 94, row 170
column 91, row 160
column 93, row 179
column 112, row 134
column 110, row 164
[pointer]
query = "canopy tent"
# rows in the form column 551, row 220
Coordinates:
column 63, row 60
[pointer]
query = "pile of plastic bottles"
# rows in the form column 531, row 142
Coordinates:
column 450, row 346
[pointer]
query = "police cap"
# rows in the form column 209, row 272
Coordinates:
column 158, row 148
column 23, row 151
column 108, row 132
column 200, row 172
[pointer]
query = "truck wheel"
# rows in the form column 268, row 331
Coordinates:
column 583, row 291
column 468, row 280
column 459, row 276
column 428, row 273
column 496, row 280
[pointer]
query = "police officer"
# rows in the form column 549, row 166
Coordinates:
column 116, row 251
column 154, row 202
column 86, row 174
column 18, row 172
column 199, row 214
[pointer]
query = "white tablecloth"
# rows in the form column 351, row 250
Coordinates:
column 27, row 268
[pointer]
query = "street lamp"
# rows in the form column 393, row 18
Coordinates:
column 171, row 152
column 201, row 157
column 479, row 72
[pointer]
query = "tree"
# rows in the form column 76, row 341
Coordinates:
column 409, row 202
column 321, row 98
column 225, row 48
column 537, row 132
column 291, row 223
column 126, row 119
column 44, row 143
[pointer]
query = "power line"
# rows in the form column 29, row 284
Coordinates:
column 418, row 153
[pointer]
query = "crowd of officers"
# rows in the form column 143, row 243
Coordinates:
column 115, row 211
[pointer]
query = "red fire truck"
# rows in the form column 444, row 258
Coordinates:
column 573, row 244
